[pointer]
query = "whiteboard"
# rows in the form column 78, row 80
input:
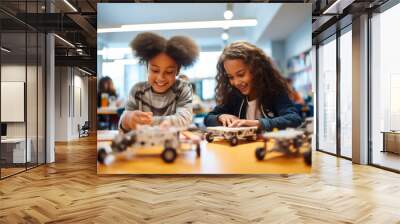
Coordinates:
column 12, row 101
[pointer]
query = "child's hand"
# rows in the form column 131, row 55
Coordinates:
column 165, row 124
column 137, row 117
column 143, row 117
column 244, row 123
column 227, row 119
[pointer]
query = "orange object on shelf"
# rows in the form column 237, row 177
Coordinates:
column 104, row 100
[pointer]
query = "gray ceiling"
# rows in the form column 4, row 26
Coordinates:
column 275, row 21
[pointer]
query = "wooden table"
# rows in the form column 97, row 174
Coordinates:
column 110, row 114
column 216, row 158
column 107, row 110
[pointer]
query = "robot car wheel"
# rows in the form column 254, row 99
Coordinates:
column 260, row 153
column 307, row 157
column 169, row 155
column 198, row 150
column 209, row 137
column 101, row 155
column 233, row 141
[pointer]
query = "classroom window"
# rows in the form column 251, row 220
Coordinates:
column 346, row 94
column 327, row 97
column 385, row 89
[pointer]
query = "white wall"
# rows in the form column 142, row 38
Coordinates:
column 278, row 54
column 71, row 94
column 13, row 73
column 299, row 41
column 267, row 47
column 61, row 103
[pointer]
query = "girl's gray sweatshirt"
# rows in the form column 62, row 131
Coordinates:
column 175, row 105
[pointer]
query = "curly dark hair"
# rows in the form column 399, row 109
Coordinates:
column 267, row 80
column 182, row 49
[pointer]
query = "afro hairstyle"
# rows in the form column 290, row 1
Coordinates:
column 182, row 49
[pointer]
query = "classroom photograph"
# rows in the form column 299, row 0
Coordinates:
column 150, row 111
column 173, row 77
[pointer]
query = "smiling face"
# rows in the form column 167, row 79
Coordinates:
column 239, row 76
column 162, row 72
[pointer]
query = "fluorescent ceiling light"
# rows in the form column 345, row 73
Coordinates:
column 181, row 25
column 70, row 5
column 84, row 71
column 5, row 49
column 114, row 53
column 128, row 61
column 228, row 14
column 123, row 50
column 65, row 41
column 334, row 7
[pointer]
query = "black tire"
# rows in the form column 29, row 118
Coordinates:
column 101, row 155
column 119, row 145
column 308, row 157
column 169, row 155
column 233, row 141
column 198, row 150
column 297, row 142
column 260, row 153
column 209, row 137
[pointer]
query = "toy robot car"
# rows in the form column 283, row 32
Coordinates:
column 232, row 134
column 146, row 137
column 288, row 142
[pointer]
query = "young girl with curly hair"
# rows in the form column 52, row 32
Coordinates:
column 163, row 99
column 250, row 91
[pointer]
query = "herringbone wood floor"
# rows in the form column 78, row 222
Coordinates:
column 70, row 191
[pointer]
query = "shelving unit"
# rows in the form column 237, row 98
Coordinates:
column 299, row 69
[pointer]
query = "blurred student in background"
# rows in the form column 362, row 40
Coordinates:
column 106, row 92
column 106, row 97
column 293, row 94
column 303, row 104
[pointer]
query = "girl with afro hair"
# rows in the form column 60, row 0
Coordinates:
column 162, row 99
column 251, row 91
